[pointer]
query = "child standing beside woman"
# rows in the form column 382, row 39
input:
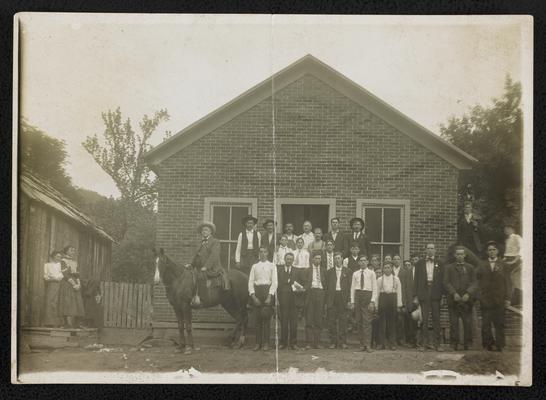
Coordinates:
column 70, row 298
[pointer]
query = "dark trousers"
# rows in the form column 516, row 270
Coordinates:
column 387, row 318
column 400, row 328
column 337, row 320
column 313, row 315
column 248, row 260
column 493, row 316
column 429, row 306
column 263, row 315
column 363, row 316
column 465, row 314
column 410, row 329
column 288, row 317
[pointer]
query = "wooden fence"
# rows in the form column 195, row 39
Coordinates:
column 127, row 305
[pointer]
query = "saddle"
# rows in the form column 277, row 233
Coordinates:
column 213, row 278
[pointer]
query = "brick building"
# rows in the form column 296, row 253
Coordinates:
column 308, row 143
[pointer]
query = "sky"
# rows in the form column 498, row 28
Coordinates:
column 73, row 67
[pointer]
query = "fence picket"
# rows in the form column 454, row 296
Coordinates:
column 126, row 305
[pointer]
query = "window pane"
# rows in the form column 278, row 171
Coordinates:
column 391, row 249
column 372, row 219
column 391, row 225
column 224, row 247
column 293, row 213
column 220, row 217
column 237, row 214
column 375, row 249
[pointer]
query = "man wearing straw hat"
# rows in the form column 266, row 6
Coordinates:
column 207, row 257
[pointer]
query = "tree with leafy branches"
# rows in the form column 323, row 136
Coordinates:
column 493, row 135
column 120, row 150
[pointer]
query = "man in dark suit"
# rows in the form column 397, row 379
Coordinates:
column 207, row 257
column 338, row 300
column 286, row 276
column 406, row 276
column 315, row 288
column 336, row 236
column 494, row 293
column 327, row 259
column 270, row 238
column 428, row 290
column 358, row 237
column 461, row 285
column 469, row 231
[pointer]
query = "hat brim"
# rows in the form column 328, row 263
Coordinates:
column 246, row 219
column 209, row 224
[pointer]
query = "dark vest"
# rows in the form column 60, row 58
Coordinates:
column 352, row 264
column 244, row 243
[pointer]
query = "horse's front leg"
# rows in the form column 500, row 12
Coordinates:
column 181, row 337
column 187, row 323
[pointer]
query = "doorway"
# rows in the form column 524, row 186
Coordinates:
column 296, row 211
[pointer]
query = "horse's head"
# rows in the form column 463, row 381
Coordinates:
column 166, row 269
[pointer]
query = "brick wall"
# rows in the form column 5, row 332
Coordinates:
column 325, row 146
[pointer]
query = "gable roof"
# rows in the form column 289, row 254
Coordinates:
column 310, row 65
column 42, row 192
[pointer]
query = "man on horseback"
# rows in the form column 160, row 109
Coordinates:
column 207, row 258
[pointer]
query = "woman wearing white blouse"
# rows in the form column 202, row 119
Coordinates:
column 52, row 276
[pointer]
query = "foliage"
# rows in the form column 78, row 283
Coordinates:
column 46, row 157
column 493, row 135
column 120, row 154
column 133, row 227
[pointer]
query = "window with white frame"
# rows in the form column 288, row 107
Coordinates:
column 387, row 225
column 226, row 214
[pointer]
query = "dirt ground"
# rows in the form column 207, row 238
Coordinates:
column 161, row 357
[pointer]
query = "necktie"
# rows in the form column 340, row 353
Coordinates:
column 317, row 276
column 361, row 279
column 356, row 234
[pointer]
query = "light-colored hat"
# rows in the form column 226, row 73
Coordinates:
column 206, row 223
column 416, row 315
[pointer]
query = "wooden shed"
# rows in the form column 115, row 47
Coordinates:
column 47, row 221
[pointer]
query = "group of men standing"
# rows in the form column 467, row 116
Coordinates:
column 381, row 299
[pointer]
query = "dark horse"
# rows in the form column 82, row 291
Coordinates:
column 183, row 282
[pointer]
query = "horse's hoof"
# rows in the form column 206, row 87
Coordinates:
column 187, row 350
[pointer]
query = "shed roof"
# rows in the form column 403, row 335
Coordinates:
column 310, row 65
column 38, row 190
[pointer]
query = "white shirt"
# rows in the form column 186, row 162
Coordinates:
column 334, row 235
column 301, row 258
column 308, row 238
column 278, row 258
column 263, row 273
column 52, row 271
column 396, row 271
column 492, row 263
column 513, row 245
column 338, row 279
column 370, row 283
column 356, row 235
column 329, row 260
column 468, row 218
column 390, row 284
column 316, row 281
column 250, row 239
column 430, row 269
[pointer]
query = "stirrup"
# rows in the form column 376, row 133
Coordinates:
column 195, row 301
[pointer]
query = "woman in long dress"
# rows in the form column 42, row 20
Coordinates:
column 70, row 298
column 53, row 277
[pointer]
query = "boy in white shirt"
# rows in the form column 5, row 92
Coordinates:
column 278, row 258
column 390, row 302
column 301, row 255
